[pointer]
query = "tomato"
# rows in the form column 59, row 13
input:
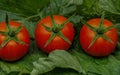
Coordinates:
column 42, row 35
column 13, row 50
column 101, row 46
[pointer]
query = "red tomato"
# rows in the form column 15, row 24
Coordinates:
column 13, row 51
column 42, row 35
column 100, row 47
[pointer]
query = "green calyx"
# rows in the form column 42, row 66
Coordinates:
column 100, row 31
column 56, row 30
column 10, row 33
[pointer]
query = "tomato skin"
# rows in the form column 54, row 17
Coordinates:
column 13, row 51
column 101, row 47
column 42, row 35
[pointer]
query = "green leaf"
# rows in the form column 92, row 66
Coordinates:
column 77, row 2
column 56, row 58
column 91, row 65
column 30, row 27
column 89, row 9
column 62, row 71
column 118, row 29
column 12, row 16
column 113, row 63
column 112, row 6
column 2, row 72
column 60, row 7
column 24, row 8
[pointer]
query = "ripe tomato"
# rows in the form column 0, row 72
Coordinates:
column 100, row 47
column 42, row 35
column 13, row 50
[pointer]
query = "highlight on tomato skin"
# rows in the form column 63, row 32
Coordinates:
column 14, row 49
column 103, row 45
column 62, row 35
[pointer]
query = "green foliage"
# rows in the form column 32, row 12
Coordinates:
column 112, row 6
column 23, row 7
column 56, row 59
column 73, row 62
column 89, row 9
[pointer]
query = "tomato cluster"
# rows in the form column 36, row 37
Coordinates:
column 98, row 37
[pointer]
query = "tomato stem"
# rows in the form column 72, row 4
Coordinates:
column 106, row 38
column 100, row 31
column 68, row 20
column 17, row 40
column 11, row 33
column 5, row 42
column 3, row 32
column 52, row 36
column 102, row 19
column 88, row 25
column 53, row 22
column 93, row 40
column 47, row 28
column 111, row 27
column 39, row 14
column 18, row 30
column 63, row 37
column 7, row 23
column 56, row 30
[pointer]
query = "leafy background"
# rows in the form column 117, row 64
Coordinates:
column 29, row 12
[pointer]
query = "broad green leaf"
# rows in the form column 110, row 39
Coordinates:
column 60, row 7
column 12, row 16
column 30, row 27
column 42, row 65
column 113, row 63
column 89, row 8
column 2, row 72
column 112, row 6
column 62, row 71
column 76, row 2
column 23, row 7
column 57, row 58
column 98, row 66
column 118, row 28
